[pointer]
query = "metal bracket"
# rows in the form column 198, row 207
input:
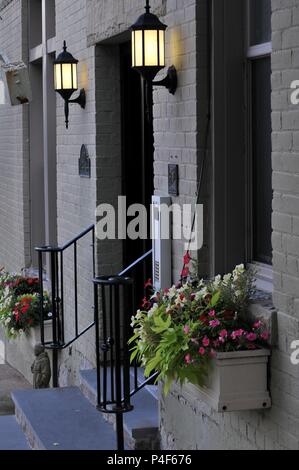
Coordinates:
column 170, row 81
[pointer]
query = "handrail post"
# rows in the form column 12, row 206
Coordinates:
column 54, row 317
column 116, row 398
column 41, row 293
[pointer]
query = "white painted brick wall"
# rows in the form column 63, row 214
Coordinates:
column 14, row 154
column 186, row 422
column 76, row 197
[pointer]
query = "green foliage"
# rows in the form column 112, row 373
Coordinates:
column 187, row 325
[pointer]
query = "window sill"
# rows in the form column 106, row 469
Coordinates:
column 262, row 308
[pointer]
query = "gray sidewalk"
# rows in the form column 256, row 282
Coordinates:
column 10, row 380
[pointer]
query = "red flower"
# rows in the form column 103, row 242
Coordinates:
column 149, row 283
column 204, row 319
column 145, row 304
column 185, row 273
column 187, row 259
column 182, row 297
column 25, row 309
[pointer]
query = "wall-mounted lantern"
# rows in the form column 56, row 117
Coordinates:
column 66, row 80
column 148, row 49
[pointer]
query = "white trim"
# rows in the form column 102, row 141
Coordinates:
column 264, row 276
column 259, row 50
column 36, row 53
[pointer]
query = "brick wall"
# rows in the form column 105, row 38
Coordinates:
column 14, row 153
column 76, row 197
column 187, row 422
column 99, row 127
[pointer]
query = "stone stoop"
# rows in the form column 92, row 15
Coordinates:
column 61, row 419
column 11, row 435
column 141, row 426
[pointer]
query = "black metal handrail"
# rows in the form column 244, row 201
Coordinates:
column 134, row 271
column 115, row 297
column 56, row 274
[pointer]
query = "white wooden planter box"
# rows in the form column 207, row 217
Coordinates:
column 238, row 381
column 34, row 335
column 20, row 351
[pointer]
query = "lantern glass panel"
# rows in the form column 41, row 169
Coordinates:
column 151, row 54
column 75, row 77
column 57, row 75
column 162, row 48
column 138, row 49
column 133, row 48
column 67, row 77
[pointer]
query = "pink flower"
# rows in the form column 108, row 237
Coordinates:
column 237, row 334
column 212, row 313
column 223, row 334
column 186, row 329
column 188, row 359
column 206, row 342
column 251, row 337
column 202, row 351
column 214, row 323
column 257, row 325
column 216, row 343
column 265, row 335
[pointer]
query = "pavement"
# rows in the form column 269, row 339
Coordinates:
column 10, row 380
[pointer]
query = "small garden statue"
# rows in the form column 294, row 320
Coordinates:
column 41, row 368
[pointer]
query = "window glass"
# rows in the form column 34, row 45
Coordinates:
column 260, row 21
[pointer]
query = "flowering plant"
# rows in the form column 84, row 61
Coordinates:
column 178, row 331
column 20, row 303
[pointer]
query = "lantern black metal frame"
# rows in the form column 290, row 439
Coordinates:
column 149, row 21
column 66, row 58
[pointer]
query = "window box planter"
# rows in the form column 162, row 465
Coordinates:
column 237, row 381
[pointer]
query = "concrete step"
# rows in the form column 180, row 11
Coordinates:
column 11, row 435
column 141, row 425
column 62, row 419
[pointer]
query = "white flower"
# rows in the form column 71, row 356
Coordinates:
column 152, row 310
column 172, row 292
column 217, row 281
column 240, row 268
column 227, row 278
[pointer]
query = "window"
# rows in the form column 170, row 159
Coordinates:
column 260, row 128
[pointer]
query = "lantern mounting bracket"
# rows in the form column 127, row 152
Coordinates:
column 170, row 81
column 81, row 100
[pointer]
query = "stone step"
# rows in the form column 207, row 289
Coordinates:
column 11, row 435
column 141, row 425
column 62, row 419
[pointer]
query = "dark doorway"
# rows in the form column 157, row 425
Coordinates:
column 137, row 148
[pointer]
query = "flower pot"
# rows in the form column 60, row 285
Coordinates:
column 237, row 381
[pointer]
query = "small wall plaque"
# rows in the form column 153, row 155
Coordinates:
column 173, row 180
column 84, row 163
